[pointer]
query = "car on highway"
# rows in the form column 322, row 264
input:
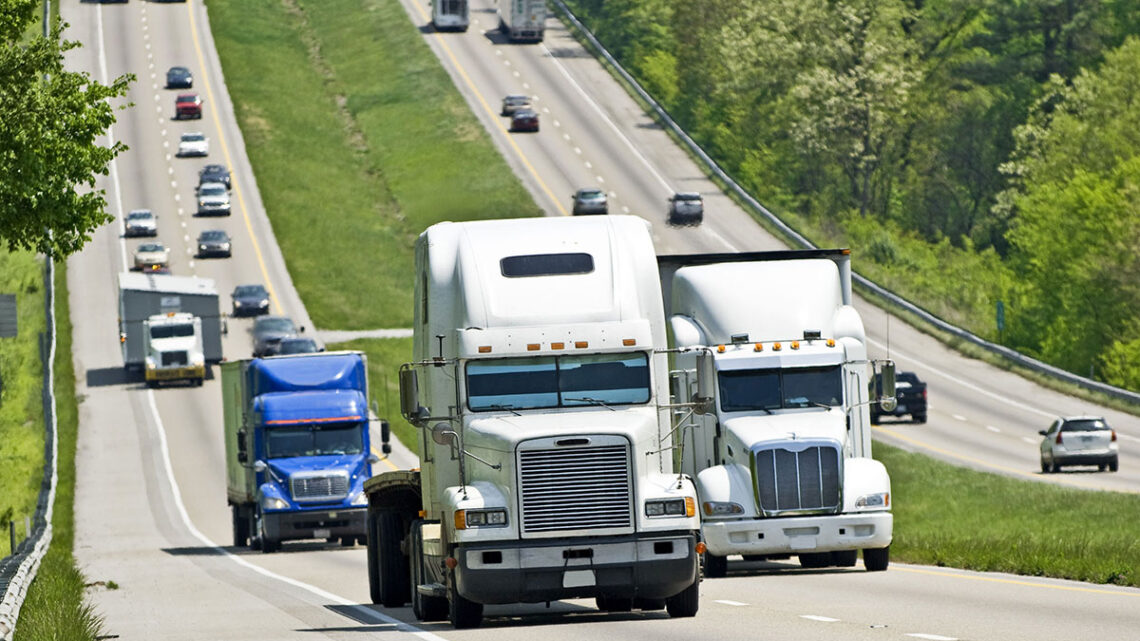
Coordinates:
column 513, row 103
column 298, row 345
column 187, row 105
column 686, row 208
column 150, row 255
column 910, row 397
column 213, row 200
column 1079, row 440
column 524, row 120
column 590, row 200
column 214, row 174
column 141, row 222
column 179, row 78
column 214, row 242
column 269, row 331
column 193, row 143
column 250, row 300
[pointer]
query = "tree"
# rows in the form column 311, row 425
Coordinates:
column 48, row 152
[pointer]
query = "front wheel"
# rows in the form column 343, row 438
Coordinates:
column 392, row 565
column 815, row 560
column 686, row 603
column 844, row 558
column 462, row 612
column 240, row 527
column 877, row 559
column 716, row 566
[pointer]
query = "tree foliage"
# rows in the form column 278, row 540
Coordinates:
column 51, row 120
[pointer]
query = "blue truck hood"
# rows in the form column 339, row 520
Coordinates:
column 286, row 467
column 283, row 408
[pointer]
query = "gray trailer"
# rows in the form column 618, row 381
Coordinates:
column 522, row 20
column 144, row 295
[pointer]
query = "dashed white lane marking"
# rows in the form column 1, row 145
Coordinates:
column 960, row 417
column 993, row 429
column 526, row 85
column 1128, row 437
column 578, row 150
column 624, row 209
column 1028, row 440
column 588, row 165
column 601, row 180
column 931, row 637
column 816, row 617
column 732, row 603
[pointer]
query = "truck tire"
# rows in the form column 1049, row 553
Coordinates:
column 240, row 527
column 1114, row 464
column 815, row 560
column 844, row 558
column 266, row 544
column 391, row 564
column 877, row 559
column 614, row 603
column 373, row 574
column 716, row 566
column 462, row 612
column 425, row 607
column 919, row 418
column 686, row 603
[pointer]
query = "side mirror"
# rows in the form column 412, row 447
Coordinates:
column 260, row 466
column 706, row 379
column 443, row 435
column 886, row 377
column 385, row 437
column 242, row 455
column 410, row 396
column 1043, row 432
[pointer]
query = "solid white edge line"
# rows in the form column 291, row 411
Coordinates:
column 816, row 617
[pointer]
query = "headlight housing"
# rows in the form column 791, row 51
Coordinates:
column 274, row 503
column 671, row 507
column 878, row 500
column 360, row 499
column 465, row 519
column 721, row 508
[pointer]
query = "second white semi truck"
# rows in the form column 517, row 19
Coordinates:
column 522, row 20
column 782, row 459
column 540, row 387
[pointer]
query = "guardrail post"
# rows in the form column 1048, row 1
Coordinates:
column 12, row 536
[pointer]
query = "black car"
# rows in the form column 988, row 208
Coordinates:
column 911, row 395
column 179, row 78
column 214, row 174
column 298, row 345
column 269, row 331
column 250, row 300
column 214, row 242
column 524, row 120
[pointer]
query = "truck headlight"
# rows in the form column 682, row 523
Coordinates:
column 721, row 508
column 480, row 518
column 360, row 499
column 274, row 503
column 671, row 507
column 879, row 499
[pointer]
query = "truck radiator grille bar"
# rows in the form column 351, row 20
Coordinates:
column 316, row 488
column 807, row 481
column 175, row 358
column 575, row 488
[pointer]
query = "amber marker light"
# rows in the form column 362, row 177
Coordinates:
column 701, row 547
column 758, row 347
column 484, row 349
column 533, row 347
column 831, row 342
column 629, row 342
column 690, row 506
column 795, row 344
column 461, row 519
column 720, row 349
column 558, row 346
column 776, row 347
column 581, row 344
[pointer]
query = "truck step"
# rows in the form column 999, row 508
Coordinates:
column 432, row 589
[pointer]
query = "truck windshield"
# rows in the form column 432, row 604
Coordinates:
column 772, row 389
column 558, row 381
column 314, row 439
column 171, row 331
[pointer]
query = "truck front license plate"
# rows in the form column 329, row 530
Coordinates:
column 578, row 578
column 322, row 534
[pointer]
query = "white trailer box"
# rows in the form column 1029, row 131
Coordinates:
column 522, row 20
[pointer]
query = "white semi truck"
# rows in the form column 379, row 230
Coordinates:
column 782, row 459
column 170, row 327
column 522, row 20
column 172, row 349
column 450, row 15
column 540, row 387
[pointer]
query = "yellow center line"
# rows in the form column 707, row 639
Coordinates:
column 229, row 160
column 494, row 115
column 1031, row 584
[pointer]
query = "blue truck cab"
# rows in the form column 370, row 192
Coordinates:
column 297, row 448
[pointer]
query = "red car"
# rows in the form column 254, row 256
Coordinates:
column 187, row 105
column 524, row 120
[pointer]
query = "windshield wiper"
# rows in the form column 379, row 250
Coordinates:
column 509, row 408
column 591, row 401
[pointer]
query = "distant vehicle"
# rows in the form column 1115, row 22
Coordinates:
column 141, row 222
column 213, row 200
column 524, row 120
column 686, row 208
column 269, row 331
column 298, row 345
column 515, row 102
column 590, row 200
column 450, row 15
column 187, row 105
column 522, row 20
column 1079, row 440
column 214, row 242
column 910, row 392
column 214, row 174
column 149, row 255
column 179, row 78
column 250, row 300
column 193, row 143
column 169, row 326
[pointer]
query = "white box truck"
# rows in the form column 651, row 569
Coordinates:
column 782, row 459
column 540, row 388
column 522, row 20
column 169, row 326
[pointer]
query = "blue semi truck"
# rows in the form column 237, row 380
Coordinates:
column 297, row 448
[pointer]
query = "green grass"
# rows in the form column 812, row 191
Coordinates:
column 54, row 609
column 359, row 142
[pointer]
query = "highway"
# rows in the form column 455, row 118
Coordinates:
column 150, row 508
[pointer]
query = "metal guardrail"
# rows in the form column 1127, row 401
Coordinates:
column 18, row 570
column 796, row 238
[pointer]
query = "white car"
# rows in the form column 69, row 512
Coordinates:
column 193, row 143
column 213, row 200
column 151, row 256
column 141, row 222
column 1079, row 440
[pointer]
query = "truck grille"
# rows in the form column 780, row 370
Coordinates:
column 174, row 358
column 571, row 488
column 807, row 481
column 319, row 486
